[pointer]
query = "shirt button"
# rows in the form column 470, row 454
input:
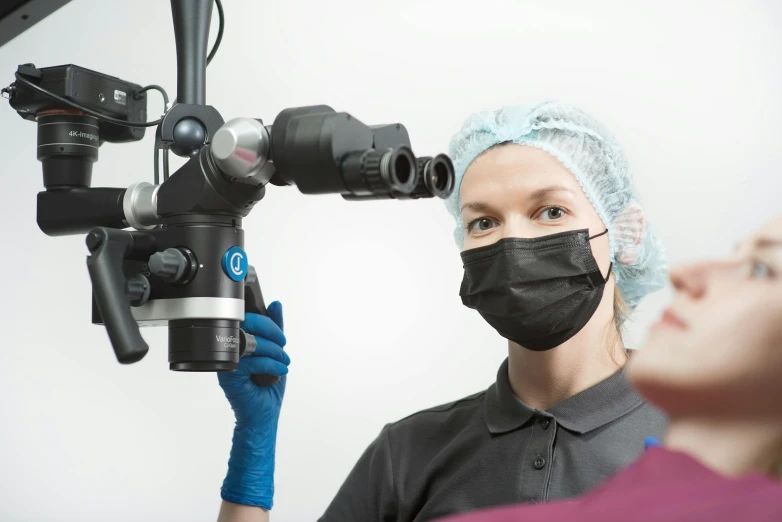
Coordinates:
column 539, row 463
column 545, row 423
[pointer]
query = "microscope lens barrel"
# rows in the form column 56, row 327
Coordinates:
column 206, row 345
column 68, row 144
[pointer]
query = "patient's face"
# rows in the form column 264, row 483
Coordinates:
column 719, row 346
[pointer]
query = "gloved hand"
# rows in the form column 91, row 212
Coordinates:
column 250, row 477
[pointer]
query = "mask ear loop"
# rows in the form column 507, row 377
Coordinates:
column 611, row 265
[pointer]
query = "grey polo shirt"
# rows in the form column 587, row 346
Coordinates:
column 491, row 449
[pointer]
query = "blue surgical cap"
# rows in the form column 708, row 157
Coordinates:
column 588, row 150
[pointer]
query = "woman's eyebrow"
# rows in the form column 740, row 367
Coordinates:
column 477, row 206
column 480, row 206
column 767, row 242
column 545, row 191
column 758, row 243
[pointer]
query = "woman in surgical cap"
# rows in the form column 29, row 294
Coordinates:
column 557, row 252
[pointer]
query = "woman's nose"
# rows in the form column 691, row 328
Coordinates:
column 694, row 279
column 518, row 227
column 689, row 279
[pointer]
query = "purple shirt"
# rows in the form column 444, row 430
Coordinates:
column 661, row 485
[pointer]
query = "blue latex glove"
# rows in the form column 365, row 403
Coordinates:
column 250, row 477
column 651, row 442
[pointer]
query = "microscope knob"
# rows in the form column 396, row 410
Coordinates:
column 169, row 265
column 137, row 289
column 241, row 148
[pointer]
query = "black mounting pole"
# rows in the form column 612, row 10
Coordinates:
column 191, row 32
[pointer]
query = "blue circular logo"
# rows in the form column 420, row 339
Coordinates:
column 235, row 263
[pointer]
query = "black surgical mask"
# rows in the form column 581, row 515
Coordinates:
column 536, row 292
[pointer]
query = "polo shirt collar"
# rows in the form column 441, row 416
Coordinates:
column 592, row 408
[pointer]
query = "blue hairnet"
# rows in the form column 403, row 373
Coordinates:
column 592, row 154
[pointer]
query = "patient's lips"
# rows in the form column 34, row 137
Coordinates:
column 670, row 320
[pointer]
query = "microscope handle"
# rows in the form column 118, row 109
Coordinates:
column 109, row 248
column 253, row 304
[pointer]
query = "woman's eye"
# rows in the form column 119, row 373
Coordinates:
column 552, row 214
column 481, row 225
column 760, row 270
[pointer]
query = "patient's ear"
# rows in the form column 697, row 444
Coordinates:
column 629, row 229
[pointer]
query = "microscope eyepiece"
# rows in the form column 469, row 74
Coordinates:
column 437, row 175
column 374, row 172
column 398, row 167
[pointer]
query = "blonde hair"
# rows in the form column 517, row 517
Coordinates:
column 616, row 334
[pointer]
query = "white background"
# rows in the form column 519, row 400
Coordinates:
column 370, row 290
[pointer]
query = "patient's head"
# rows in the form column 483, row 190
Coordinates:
column 718, row 348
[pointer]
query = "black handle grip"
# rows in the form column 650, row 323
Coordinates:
column 253, row 298
column 109, row 248
column 253, row 304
